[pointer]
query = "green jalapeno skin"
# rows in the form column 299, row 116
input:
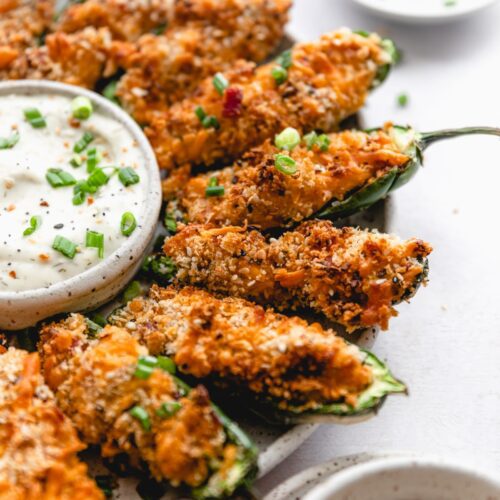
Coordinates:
column 411, row 143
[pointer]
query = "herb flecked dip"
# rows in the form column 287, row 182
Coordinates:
column 71, row 188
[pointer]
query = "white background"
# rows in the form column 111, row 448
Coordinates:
column 446, row 344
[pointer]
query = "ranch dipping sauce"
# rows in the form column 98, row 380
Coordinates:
column 62, row 211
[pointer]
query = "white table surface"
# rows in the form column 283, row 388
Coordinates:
column 446, row 343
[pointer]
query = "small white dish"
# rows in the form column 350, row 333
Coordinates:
column 403, row 478
column 424, row 11
column 102, row 282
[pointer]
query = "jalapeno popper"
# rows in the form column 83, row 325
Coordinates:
column 263, row 191
column 352, row 276
column 313, row 86
column 120, row 397
column 202, row 38
column 38, row 444
column 289, row 371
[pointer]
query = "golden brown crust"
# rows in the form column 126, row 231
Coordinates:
column 202, row 38
column 328, row 80
column 95, row 386
column 235, row 341
column 352, row 276
column 38, row 445
column 256, row 193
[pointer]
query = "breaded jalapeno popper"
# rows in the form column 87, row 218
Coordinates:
column 352, row 276
column 120, row 397
column 289, row 371
column 312, row 86
column 286, row 180
column 203, row 37
column 38, row 444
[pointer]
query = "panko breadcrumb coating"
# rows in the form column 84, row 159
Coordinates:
column 38, row 445
column 236, row 342
column 96, row 385
column 22, row 23
column 352, row 276
column 257, row 193
column 202, row 38
column 80, row 58
column 326, row 81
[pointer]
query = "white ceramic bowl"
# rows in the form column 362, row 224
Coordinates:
column 424, row 11
column 102, row 282
column 408, row 478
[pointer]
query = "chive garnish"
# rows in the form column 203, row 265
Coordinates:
column 213, row 188
column 9, row 142
column 97, row 178
column 166, row 364
column 170, row 223
column 139, row 413
column 206, row 120
column 220, row 83
column 285, row 59
column 109, row 92
column 76, row 161
column 81, row 108
column 64, row 246
column 145, row 367
column 95, row 240
column 85, row 140
column 57, row 177
column 132, row 291
column 35, row 223
column 93, row 158
column 128, row 176
column 287, row 139
column 279, row 74
column 128, row 223
column 34, row 117
column 312, row 139
column 168, row 409
column 285, row 164
column 402, row 100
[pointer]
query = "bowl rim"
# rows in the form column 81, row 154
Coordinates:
column 339, row 480
column 112, row 266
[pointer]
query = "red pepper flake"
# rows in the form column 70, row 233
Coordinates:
column 11, row 207
column 73, row 122
column 43, row 257
column 90, row 200
column 233, row 98
column 13, row 274
column 44, row 203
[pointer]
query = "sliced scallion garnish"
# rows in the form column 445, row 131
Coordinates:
column 220, row 83
column 93, row 159
column 168, row 409
column 145, row 367
column 287, row 139
column 81, row 108
column 57, row 177
column 285, row 59
column 97, row 178
column 64, row 246
column 132, row 291
column 140, row 414
column 285, row 164
column 82, row 144
column 94, row 239
column 170, row 223
column 128, row 176
column 166, row 364
column 9, row 142
column 35, row 223
column 206, row 120
column 128, row 223
column 34, row 117
column 76, row 161
column 312, row 139
column 213, row 189
column 279, row 74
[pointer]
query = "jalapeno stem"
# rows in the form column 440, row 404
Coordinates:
column 427, row 138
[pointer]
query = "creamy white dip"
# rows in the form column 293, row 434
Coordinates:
column 30, row 262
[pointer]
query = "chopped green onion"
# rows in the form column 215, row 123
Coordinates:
column 128, row 223
column 139, row 413
column 310, row 139
column 279, row 74
column 93, row 158
column 363, row 33
column 205, row 120
column 402, row 100
column 170, row 223
column 109, row 92
column 168, row 409
column 64, row 246
column 9, row 142
column 220, row 83
column 35, row 118
column 79, row 194
column 160, row 265
column 288, row 139
column 213, row 189
column 85, row 140
column 145, row 367
column 166, row 364
column 35, row 223
column 57, row 177
column 95, row 240
column 128, row 176
column 76, row 161
column 313, row 139
column 97, row 178
column 132, row 291
column 93, row 327
column 81, row 108
column 285, row 59
column 99, row 319
column 285, row 164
